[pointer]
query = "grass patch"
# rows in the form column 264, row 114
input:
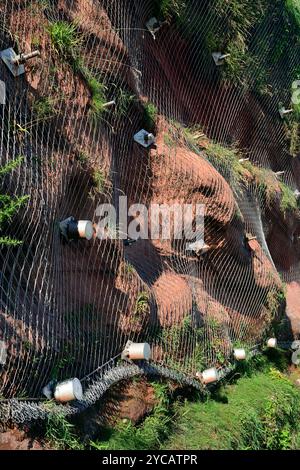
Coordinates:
column 149, row 116
column 65, row 38
column 60, row 433
column 226, row 161
column 9, row 205
column 124, row 99
column 98, row 98
column 258, row 412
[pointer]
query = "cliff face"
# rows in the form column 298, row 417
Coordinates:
column 68, row 308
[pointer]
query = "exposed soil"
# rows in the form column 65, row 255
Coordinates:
column 15, row 439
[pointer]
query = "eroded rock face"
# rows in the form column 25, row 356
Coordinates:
column 77, row 304
column 138, row 401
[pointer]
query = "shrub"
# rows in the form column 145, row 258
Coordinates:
column 169, row 8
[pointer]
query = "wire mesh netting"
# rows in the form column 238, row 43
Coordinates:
column 68, row 308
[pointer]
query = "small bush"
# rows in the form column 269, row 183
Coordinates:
column 169, row 8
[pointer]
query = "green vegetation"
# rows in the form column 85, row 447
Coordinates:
column 60, row 433
column 258, row 412
column 43, row 108
column 259, row 409
column 175, row 337
column 98, row 96
column 226, row 161
column 142, row 304
column 123, row 101
column 9, row 205
column 129, row 268
column 293, row 134
column 66, row 41
column 99, row 181
column 149, row 435
column 288, row 200
column 82, row 157
column 64, row 361
column 65, row 38
column 293, row 8
column 168, row 8
column 149, row 116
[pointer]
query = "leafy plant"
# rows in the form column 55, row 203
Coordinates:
column 123, row 101
column 293, row 8
column 142, row 304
